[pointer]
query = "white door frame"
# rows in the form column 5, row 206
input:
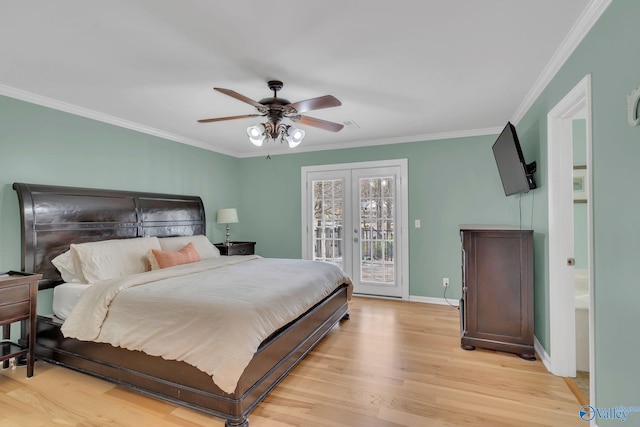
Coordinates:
column 562, row 359
column 402, row 199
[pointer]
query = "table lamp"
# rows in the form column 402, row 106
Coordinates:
column 227, row 216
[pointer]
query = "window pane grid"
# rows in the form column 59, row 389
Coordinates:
column 377, row 230
column 328, row 221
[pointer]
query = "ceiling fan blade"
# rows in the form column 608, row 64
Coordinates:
column 319, row 123
column 220, row 119
column 316, row 103
column 239, row 97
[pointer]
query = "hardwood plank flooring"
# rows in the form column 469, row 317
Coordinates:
column 393, row 363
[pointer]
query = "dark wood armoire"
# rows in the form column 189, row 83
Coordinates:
column 496, row 307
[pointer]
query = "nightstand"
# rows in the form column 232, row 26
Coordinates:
column 18, row 295
column 236, row 248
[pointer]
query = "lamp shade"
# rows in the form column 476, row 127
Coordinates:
column 227, row 216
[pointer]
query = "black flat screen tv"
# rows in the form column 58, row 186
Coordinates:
column 515, row 173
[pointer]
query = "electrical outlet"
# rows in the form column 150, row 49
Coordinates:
column 445, row 282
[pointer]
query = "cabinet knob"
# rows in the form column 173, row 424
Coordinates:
column 571, row 261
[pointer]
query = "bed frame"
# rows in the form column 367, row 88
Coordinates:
column 54, row 217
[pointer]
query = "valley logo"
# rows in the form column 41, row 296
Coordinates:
column 620, row 413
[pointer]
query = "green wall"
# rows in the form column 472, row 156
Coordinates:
column 451, row 182
column 611, row 54
column 44, row 146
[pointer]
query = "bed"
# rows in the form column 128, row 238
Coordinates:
column 53, row 218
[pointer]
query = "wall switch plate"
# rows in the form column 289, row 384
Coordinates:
column 417, row 223
column 445, row 282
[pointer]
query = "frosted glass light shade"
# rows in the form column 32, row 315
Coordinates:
column 257, row 134
column 294, row 136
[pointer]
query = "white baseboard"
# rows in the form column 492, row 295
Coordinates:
column 432, row 300
column 544, row 356
column 414, row 298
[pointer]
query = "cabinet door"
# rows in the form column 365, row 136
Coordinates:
column 497, row 286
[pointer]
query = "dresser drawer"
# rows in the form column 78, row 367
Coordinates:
column 16, row 293
column 244, row 249
column 12, row 312
column 236, row 248
column 18, row 299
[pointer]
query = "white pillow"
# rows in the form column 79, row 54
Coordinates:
column 111, row 259
column 65, row 265
column 205, row 248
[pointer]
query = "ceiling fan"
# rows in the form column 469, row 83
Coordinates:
column 276, row 110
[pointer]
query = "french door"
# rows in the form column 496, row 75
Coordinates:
column 353, row 218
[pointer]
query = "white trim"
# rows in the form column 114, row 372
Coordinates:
column 590, row 249
column 544, row 356
column 403, row 198
column 355, row 165
column 415, row 298
column 55, row 104
column 382, row 141
column 583, row 25
column 560, row 212
column 432, row 300
column 561, row 318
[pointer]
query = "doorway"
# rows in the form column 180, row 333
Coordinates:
column 568, row 184
column 353, row 216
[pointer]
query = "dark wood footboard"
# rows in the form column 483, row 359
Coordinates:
column 185, row 385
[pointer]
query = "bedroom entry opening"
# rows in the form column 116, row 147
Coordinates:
column 353, row 217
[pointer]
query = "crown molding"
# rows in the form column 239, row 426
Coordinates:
column 579, row 30
column 382, row 141
column 55, row 104
column 585, row 22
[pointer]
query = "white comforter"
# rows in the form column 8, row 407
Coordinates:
column 212, row 314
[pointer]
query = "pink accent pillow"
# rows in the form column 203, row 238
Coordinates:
column 163, row 259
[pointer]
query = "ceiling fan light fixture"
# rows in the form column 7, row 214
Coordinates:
column 294, row 136
column 256, row 134
column 276, row 110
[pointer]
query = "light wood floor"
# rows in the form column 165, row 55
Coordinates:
column 392, row 364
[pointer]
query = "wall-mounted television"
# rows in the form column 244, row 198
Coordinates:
column 515, row 173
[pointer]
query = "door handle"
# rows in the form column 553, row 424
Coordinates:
column 571, row 261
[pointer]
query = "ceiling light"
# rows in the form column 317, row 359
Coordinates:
column 294, row 136
column 261, row 131
column 257, row 134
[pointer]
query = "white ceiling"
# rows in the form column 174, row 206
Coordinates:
column 407, row 70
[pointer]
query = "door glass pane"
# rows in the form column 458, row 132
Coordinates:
column 377, row 230
column 328, row 221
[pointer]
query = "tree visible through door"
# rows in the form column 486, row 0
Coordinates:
column 377, row 204
column 354, row 223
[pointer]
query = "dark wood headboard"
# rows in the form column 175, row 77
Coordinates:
column 53, row 217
